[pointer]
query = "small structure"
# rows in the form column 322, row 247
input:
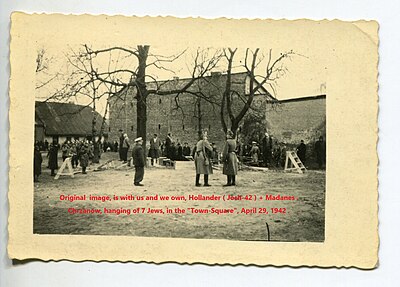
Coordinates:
column 66, row 164
column 293, row 162
column 65, row 121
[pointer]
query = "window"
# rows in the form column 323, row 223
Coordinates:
column 209, row 127
column 109, row 129
column 132, row 128
column 159, row 127
column 159, row 101
column 183, row 127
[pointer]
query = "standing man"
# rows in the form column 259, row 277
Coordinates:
column 168, row 145
column 37, row 164
column 138, row 161
column 229, row 159
column 186, row 149
column 320, row 152
column 121, row 141
column 266, row 150
column 301, row 151
column 125, row 147
column 255, row 153
column 84, row 156
column 202, row 160
column 154, row 148
column 53, row 157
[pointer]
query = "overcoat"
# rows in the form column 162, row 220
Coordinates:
column 84, row 156
column 53, row 157
column 154, row 148
column 202, row 159
column 229, row 158
column 37, row 162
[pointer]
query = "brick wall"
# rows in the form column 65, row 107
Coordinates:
column 291, row 121
column 298, row 119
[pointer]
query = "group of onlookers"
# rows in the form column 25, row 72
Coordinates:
column 80, row 152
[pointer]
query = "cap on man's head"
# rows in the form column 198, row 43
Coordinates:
column 138, row 139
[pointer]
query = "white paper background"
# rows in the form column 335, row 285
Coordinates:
column 118, row 274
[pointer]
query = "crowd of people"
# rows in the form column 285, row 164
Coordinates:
column 269, row 153
column 81, row 153
column 272, row 153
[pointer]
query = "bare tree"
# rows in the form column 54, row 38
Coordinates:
column 42, row 67
column 93, row 80
column 230, row 115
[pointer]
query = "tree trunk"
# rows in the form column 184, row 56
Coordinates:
column 142, row 93
column 199, row 118
column 96, row 148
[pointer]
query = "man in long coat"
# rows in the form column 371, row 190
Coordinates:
column 229, row 159
column 121, row 141
column 84, row 156
column 138, row 161
column 168, row 146
column 37, row 164
column 125, row 147
column 53, row 157
column 154, row 148
column 301, row 151
column 202, row 160
column 320, row 152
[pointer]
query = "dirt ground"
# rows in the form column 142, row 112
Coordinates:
column 303, row 220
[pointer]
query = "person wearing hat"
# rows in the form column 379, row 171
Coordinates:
column 267, row 150
column 154, row 149
column 255, row 153
column 37, row 163
column 202, row 160
column 84, row 156
column 121, row 141
column 138, row 161
column 229, row 159
column 320, row 151
column 125, row 148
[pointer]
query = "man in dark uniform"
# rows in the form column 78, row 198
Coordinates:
column 320, row 152
column 301, row 151
column 168, row 145
column 266, row 150
column 138, row 161
column 154, row 149
column 121, row 141
column 186, row 149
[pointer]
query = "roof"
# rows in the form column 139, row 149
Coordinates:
column 216, row 80
column 66, row 119
column 304, row 99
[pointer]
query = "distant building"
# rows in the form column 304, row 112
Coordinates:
column 180, row 117
column 298, row 119
column 64, row 121
column 290, row 120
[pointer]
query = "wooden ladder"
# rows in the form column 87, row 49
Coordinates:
column 66, row 164
column 293, row 162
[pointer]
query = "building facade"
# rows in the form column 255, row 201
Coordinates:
column 184, row 115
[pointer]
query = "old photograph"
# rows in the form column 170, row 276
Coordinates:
column 180, row 142
column 225, row 141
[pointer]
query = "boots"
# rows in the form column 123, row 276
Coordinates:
column 206, row 180
column 229, row 180
column 233, row 179
column 198, row 180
